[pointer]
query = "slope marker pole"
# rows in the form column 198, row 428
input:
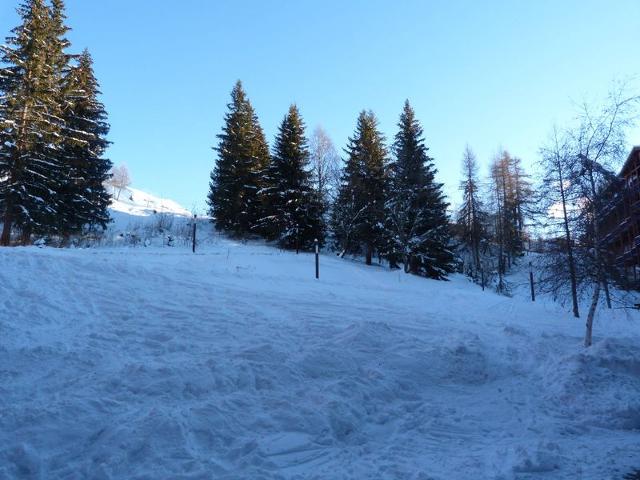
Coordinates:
column 316, row 243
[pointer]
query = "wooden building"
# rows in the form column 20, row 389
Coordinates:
column 620, row 221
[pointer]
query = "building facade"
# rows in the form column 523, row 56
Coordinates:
column 620, row 220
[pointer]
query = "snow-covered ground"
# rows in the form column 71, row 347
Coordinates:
column 235, row 363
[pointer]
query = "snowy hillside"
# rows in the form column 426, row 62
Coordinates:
column 136, row 202
column 235, row 363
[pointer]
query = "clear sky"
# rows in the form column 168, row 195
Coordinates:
column 492, row 74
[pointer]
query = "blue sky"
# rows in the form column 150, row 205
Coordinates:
column 492, row 74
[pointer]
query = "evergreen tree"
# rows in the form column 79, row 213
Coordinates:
column 358, row 217
column 83, row 197
column 291, row 206
column 236, row 180
column 471, row 216
column 417, row 223
column 30, row 120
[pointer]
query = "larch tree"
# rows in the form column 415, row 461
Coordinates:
column 416, row 209
column 471, row 215
column 358, row 216
column 236, row 180
column 291, row 207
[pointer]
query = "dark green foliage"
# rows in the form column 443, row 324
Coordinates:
column 84, row 199
column 52, row 130
column 236, row 180
column 417, row 223
column 292, row 208
column 30, row 120
column 358, row 215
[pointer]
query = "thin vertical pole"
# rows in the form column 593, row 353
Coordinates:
column 482, row 278
column 193, row 246
column 317, row 257
column 297, row 240
column 533, row 292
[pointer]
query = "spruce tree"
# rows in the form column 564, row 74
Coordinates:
column 358, row 215
column 236, row 179
column 417, row 223
column 292, row 210
column 30, row 121
column 83, row 198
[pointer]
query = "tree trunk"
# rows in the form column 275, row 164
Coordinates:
column 25, row 237
column 369, row 255
column 588, row 338
column 607, row 296
column 570, row 259
column 5, row 239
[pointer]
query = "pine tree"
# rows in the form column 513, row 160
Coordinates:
column 358, row 216
column 236, row 180
column 417, row 223
column 471, row 216
column 291, row 206
column 30, row 120
column 83, row 197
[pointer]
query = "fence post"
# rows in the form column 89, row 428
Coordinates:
column 533, row 292
column 316, row 243
column 195, row 221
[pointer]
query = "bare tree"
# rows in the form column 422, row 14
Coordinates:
column 471, row 215
column 599, row 144
column 325, row 163
column 119, row 179
column 559, row 166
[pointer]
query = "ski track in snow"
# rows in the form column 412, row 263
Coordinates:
column 235, row 363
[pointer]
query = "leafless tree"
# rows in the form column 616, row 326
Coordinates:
column 558, row 167
column 325, row 163
column 579, row 166
column 119, row 180
column 599, row 144
column 471, row 215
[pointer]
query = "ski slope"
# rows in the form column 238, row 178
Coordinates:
column 235, row 363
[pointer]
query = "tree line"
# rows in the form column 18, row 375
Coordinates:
column 53, row 130
column 384, row 201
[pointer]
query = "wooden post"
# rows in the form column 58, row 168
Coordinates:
column 317, row 245
column 297, row 240
column 533, row 292
column 482, row 278
column 193, row 246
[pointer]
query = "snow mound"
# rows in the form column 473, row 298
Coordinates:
column 600, row 386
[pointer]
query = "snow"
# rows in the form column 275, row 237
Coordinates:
column 135, row 202
column 236, row 363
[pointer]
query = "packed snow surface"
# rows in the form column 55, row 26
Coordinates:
column 235, row 363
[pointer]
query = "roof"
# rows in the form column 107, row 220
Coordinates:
column 634, row 151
